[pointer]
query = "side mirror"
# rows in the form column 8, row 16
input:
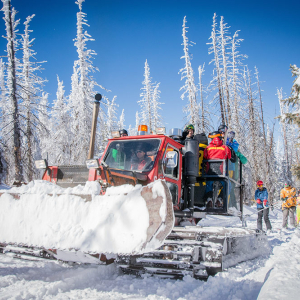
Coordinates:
column 171, row 159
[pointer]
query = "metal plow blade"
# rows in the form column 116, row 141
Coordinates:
column 131, row 222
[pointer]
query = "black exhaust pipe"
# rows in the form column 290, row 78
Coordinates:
column 190, row 172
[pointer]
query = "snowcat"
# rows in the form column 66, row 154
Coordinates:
column 178, row 188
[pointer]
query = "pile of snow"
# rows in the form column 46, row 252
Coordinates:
column 114, row 223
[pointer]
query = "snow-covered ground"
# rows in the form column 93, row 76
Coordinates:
column 273, row 276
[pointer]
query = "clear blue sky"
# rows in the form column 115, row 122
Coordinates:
column 128, row 32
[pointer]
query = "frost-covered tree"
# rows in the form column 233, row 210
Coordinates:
column 3, row 110
column 112, row 122
column 189, row 88
column 149, row 103
column 21, row 125
column 121, row 120
column 156, row 116
column 253, row 130
column 137, row 121
column 146, row 98
column 59, row 150
column 82, row 93
column 12, row 128
column 284, row 134
column 205, row 119
column 224, row 39
column 31, row 91
column 214, row 49
column 293, row 116
column 236, row 84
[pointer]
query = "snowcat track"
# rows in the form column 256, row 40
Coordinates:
column 40, row 254
column 198, row 252
column 27, row 253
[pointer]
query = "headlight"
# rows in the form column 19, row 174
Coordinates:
column 92, row 163
column 41, row 164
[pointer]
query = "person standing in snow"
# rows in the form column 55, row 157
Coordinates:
column 288, row 196
column 261, row 198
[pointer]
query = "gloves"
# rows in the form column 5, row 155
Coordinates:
column 284, row 199
column 265, row 202
column 258, row 201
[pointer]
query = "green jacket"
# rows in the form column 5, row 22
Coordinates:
column 242, row 158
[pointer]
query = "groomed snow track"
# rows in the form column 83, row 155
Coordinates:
column 198, row 252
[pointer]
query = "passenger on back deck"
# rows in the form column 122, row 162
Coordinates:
column 188, row 133
column 216, row 150
column 231, row 141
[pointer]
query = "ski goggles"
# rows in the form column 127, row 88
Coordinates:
column 190, row 127
column 260, row 185
column 214, row 134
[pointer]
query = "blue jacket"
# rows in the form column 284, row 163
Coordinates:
column 262, row 195
column 234, row 144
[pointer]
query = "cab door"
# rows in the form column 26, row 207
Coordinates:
column 171, row 172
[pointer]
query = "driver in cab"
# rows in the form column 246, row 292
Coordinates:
column 140, row 160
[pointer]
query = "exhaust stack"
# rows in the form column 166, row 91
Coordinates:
column 98, row 98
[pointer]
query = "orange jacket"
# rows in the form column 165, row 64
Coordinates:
column 290, row 193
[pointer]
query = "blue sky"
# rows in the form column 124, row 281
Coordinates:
column 128, row 32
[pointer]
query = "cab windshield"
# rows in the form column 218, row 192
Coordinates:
column 132, row 155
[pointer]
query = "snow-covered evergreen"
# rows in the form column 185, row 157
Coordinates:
column 189, row 88
column 82, row 93
column 149, row 102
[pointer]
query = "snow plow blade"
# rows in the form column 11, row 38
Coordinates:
column 126, row 220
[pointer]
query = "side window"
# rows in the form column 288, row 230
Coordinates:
column 170, row 168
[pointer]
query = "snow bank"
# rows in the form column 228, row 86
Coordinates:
column 114, row 223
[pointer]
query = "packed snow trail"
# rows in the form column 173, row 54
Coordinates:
column 266, row 277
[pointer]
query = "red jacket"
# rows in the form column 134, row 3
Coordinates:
column 216, row 150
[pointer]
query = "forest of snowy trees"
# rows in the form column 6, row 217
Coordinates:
column 34, row 126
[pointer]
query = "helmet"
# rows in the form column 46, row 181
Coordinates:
column 286, row 184
column 190, row 126
column 214, row 134
column 123, row 131
column 222, row 128
column 259, row 182
column 231, row 134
